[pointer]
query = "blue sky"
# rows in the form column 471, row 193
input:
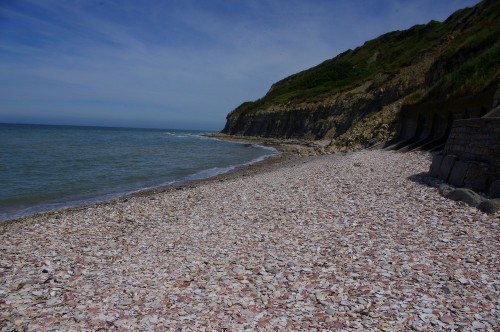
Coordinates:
column 175, row 63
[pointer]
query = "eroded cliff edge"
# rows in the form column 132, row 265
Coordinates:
column 364, row 96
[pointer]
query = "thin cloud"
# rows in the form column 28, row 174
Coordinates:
column 168, row 63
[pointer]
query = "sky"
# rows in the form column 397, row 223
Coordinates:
column 176, row 64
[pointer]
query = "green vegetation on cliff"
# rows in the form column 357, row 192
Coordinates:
column 463, row 51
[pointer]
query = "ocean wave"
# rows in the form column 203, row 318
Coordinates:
column 177, row 135
column 211, row 172
column 186, row 135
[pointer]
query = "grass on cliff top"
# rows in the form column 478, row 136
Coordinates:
column 386, row 54
column 469, row 63
column 472, row 62
column 470, row 78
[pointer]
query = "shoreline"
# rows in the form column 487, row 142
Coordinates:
column 331, row 242
column 280, row 246
column 283, row 155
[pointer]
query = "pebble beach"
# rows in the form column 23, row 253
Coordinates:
column 345, row 242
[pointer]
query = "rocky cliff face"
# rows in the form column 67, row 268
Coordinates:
column 355, row 99
column 358, row 116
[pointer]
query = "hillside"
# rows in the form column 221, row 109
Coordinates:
column 355, row 98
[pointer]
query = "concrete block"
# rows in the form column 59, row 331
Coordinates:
column 494, row 190
column 458, row 173
column 446, row 167
column 436, row 163
column 477, row 177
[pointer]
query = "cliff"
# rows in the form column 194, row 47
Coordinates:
column 359, row 97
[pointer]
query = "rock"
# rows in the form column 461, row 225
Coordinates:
column 240, row 270
column 124, row 303
column 490, row 206
column 465, row 195
column 478, row 325
column 270, row 268
column 447, row 319
column 446, row 290
column 444, row 189
column 321, row 298
column 53, row 302
column 248, row 314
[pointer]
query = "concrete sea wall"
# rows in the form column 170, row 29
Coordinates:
column 471, row 156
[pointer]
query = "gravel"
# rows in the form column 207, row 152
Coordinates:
column 351, row 242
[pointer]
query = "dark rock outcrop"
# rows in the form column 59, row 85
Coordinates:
column 490, row 206
column 314, row 122
column 465, row 195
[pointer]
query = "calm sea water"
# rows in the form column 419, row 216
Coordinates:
column 50, row 167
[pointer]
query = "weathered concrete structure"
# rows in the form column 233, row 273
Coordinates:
column 427, row 126
column 471, row 156
column 466, row 134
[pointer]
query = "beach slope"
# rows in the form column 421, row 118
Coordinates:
column 333, row 242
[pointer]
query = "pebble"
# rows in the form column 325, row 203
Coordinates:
column 478, row 325
column 315, row 244
column 447, row 319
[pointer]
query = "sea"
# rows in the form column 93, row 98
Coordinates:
column 46, row 167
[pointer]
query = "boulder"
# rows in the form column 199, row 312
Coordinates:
column 491, row 206
column 465, row 195
column 444, row 189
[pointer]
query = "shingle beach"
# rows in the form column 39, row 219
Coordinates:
column 349, row 242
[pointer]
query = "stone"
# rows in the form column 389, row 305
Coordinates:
column 321, row 298
column 478, row 325
column 444, row 189
column 447, row 319
column 446, row 290
column 465, row 195
column 490, row 206
column 53, row 302
column 270, row 268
